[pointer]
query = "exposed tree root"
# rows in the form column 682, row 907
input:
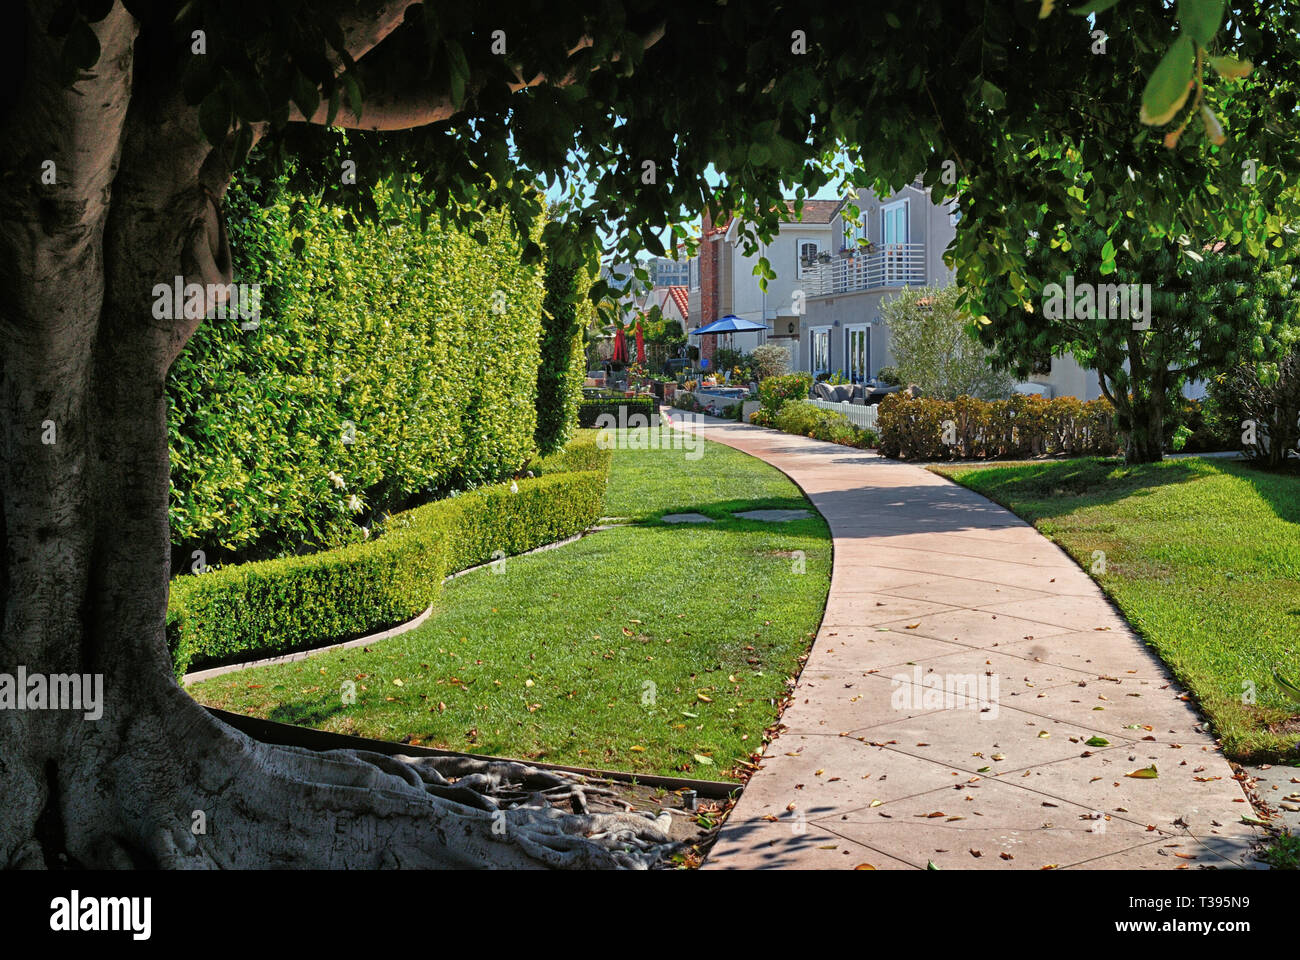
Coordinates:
column 203, row 795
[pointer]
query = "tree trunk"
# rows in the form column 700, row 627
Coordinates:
column 156, row 781
column 1144, row 442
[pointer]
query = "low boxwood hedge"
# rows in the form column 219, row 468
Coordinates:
column 260, row 609
column 590, row 410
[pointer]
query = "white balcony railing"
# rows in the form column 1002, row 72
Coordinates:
column 894, row 265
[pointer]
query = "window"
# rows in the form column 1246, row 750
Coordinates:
column 893, row 223
column 807, row 255
column 819, row 352
column 857, row 353
column 893, row 237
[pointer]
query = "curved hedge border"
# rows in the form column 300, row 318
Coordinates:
column 276, row 606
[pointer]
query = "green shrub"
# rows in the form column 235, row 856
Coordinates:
column 888, row 376
column 536, row 512
column 770, row 360
column 589, row 411
column 388, row 336
column 1021, row 426
column 806, row 420
column 775, row 391
column 277, row 605
column 581, row 454
column 250, row 610
column 685, row 400
column 562, row 369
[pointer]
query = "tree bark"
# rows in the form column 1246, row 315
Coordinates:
column 85, row 569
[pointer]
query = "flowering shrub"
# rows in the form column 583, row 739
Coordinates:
column 775, row 391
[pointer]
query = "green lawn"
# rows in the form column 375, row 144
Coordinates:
column 1203, row 557
column 645, row 647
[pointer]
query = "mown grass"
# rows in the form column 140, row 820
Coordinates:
column 1203, row 557
column 649, row 647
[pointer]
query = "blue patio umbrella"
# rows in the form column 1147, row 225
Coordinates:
column 729, row 324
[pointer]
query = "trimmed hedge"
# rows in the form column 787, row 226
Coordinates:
column 260, row 609
column 391, row 364
column 802, row 418
column 563, row 360
column 1021, row 426
column 589, row 411
column 273, row 606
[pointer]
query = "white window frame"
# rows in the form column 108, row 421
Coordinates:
column 907, row 221
column 813, row 333
column 865, row 330
column 799, row 243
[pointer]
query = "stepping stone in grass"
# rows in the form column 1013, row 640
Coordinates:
column 685, row 518
column 774, row 516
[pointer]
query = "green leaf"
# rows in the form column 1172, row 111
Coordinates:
column 1146, row 773
column 353, row 91
column 1169, row 84
column 305, row 94
column 1097, row 742
column 1201, row 18
column 1289, row 688
column 993, row 95
column 1231, row 68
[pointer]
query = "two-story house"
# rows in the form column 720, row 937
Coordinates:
column 895, row 242
column 721, row 278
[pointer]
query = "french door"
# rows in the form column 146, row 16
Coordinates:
column 857, row 353
column 893, row 240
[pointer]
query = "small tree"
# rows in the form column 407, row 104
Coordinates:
column 770, row 360
column 1264, row 402
column 1147, row 320
column 934, row 349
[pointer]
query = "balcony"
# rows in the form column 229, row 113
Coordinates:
column 895, row 265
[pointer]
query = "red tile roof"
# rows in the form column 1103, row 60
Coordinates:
column 814, row 211
column 681, row 297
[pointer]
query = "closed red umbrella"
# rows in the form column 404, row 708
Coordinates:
column 640, row 345
column 620, row 346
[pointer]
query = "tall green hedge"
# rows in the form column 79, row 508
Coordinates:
column 390, row 364
column 562, row 368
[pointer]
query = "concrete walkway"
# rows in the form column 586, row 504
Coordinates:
column 972, row 700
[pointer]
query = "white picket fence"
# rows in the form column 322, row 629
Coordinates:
column 860, row 415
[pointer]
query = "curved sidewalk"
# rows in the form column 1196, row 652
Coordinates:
column 972, row 700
